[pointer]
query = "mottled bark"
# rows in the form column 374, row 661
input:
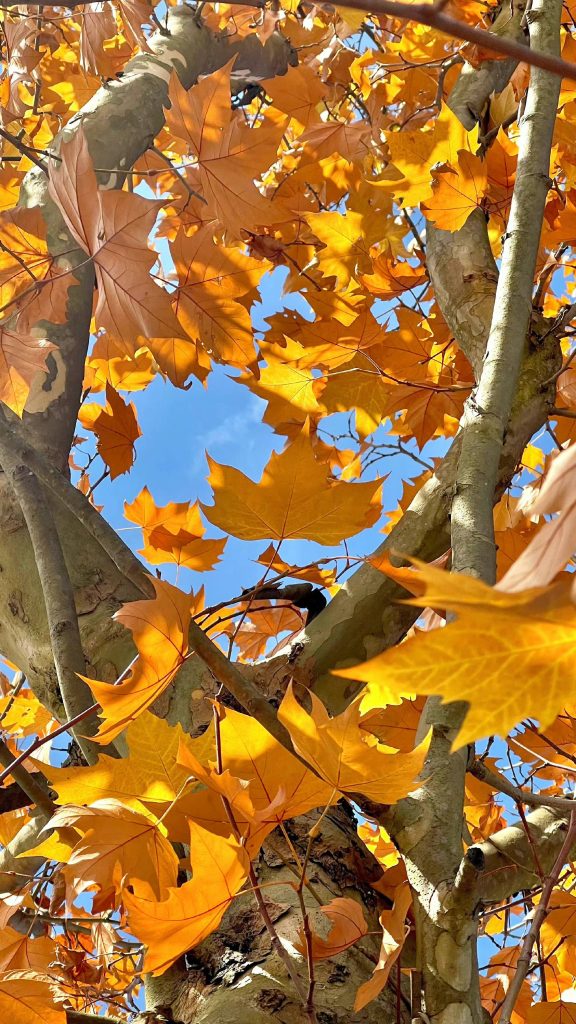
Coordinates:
column 236, row 978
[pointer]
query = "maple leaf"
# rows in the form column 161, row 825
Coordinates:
column 173, row 533
column 394, row 934
column 292, row 393
column 171, row 927
column 556, row 539
column 107, row 364
column 23, row 714
column 337, row 750
column 347, row 239
column 360, row 387
column 160, row 632
column 311, row 573
column 22, row 359
column 263, row 624
column 149, row 774
column 294, row 498
column 28, row 1000
column 415, row 153
column 457, row 191
column 395, row 725
column 428, row 411
column 558, row 746
column 324, row 343
column 230, row 155
column 391, row 277
column 116, row 428
column 113, row 227
column 297, row 93
column 469, row 659
column 347, row 926
column 212, row 279
column 558, row 930
column 23, row 952
column 115, row 841
column 553, row 1012
column 29, row 273
column 280, row 787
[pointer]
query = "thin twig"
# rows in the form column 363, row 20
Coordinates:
column 501, row 784
column 540, row 912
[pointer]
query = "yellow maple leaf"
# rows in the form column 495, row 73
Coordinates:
column 347, row 238
column 115, row 841
column 394, row 933
column 338, row 751
column 296, row 497
column 171, row 927
column 149, row 774
column 276, row 785
column 457, row 191
column 471, row 659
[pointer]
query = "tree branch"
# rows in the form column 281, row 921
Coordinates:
column 19, row 451
column 508, row 859
column 26, row 782
column 430, row 14
column 488, row 410
column 65, row 640
column 476, row 84
column 498, row 782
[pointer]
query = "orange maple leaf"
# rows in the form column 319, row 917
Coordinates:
column 113, row 227
column 116, row 428
column 171, row 927
column 230, row 155
column 173, row 533
column 160, row 631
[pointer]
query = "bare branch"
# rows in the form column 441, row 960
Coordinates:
column 488, row 410
column 500, row 783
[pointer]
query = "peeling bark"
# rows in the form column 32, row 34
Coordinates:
column 236, row 978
